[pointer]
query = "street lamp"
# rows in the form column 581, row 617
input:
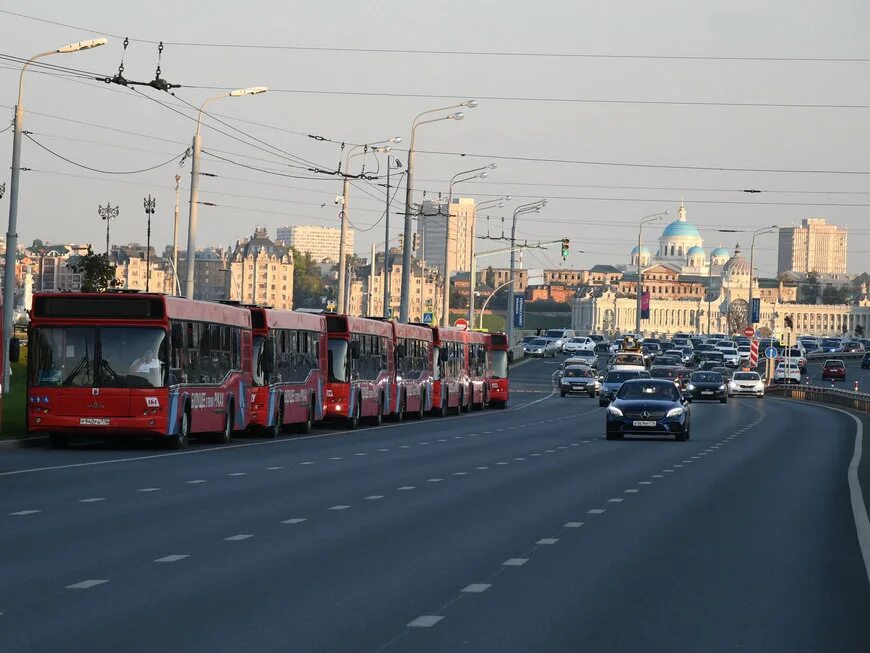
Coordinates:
column 345, row 199
column 194, row 183
column 150, row 204
column 466, row 175
column 645, row 220
column 108, row 213
column 500, row 202
column 758, row 232
column 531, row 207
column 409, row 191
column 12, row 229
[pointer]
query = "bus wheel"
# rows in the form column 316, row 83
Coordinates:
column 419, row 413
column 227, row 435
column 353, row 422
column 58, row 441
column 378, row 417
column 458, row 410
column 181, row 439
column 400, row 408
column 276, row 429
column 441, row 411
column 306, row 426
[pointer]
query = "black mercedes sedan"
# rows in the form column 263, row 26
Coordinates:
column 648, row 407
column 706, row 385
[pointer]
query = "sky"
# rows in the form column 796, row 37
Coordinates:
column 607, row 139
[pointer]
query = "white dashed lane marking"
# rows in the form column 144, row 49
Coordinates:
column 239, row 537
column 172, row 558
column 460, row 473
column 21, row 513
column 596, row 511
column 425, row 621
column 407, row 487
column 294, row 520
column 307, row 462
column 515, row 562
column 482, row 467
column 374, row 497
column 92, row 500
column 86, row 584
column 434, row 480
column 336, row 458
column 237, row 474
column 615, row 500
column 271, row 469
column 631, row 491
column 547, row 540
column 149, row 489
column 573, row 524
column 476, row 588
column 339, row 507
column 195, row 481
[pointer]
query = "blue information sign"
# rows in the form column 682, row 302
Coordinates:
column 519, row 311
column 771, row 352
column 427, row 318
column 755, row 311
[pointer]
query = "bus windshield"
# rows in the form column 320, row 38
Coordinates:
column 92, row 357
column 499, row 364
column 338, row 360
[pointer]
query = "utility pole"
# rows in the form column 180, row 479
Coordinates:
column 386, row 245
column 108, row 213
column 150, row 205
column 176, row 286
column 370, row 300
column 342, row 247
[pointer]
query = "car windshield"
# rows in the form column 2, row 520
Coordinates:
column 578, row 340
column 729, row 352
column 746, row 376
column 835, row 364
column 554, row 333
column 98, row 357
column 620, row 377
column 499, row 364
column 641, row 390
column 538, row 342
column 706, row 377
column 338, row 360
column 830, row 343
column 662, row 374
column 628, row 359
column 577, row 372
column 583, row 354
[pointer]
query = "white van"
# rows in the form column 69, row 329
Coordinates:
column 559, row 336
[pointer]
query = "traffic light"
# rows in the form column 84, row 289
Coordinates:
column 565, row 244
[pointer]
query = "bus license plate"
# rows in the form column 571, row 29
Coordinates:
column 643, row 422
column 94, row 421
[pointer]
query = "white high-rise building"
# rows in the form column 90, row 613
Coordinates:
column 815, row 246
column 322, row 243
column 430, row 229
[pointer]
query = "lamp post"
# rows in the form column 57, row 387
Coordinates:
column 12, row 229
column 409, row 192
column 150, row 204
column 387, row 267
column 344, row 200
column 645, row 220
column 472, row 286
column 531, row 207
column 757, row 232
column 176, row 288
column 108, row 213
column 474, row 173
column 194, row 183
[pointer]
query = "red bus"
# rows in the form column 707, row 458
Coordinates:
column 113, row 364
column 361, row 369
column 289, row 369
column 478, row 369
column 499, row 385
column 414, row 378
column 450, row 388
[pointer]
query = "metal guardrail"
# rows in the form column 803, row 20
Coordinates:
column 832, row 396
column 515, row 354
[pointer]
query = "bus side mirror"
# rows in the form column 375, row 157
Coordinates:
column 269, row 356
column 14, row 350
column 354, row 349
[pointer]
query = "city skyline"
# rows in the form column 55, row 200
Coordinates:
column 609, row 129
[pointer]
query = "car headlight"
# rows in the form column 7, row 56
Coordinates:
column 722, row 387
column 676, row 412
column 613, row 410
column 690, row 387
column 759, row 387
column 732, row 384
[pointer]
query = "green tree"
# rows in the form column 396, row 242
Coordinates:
column 98, row 273
column 308, row 287
column 834, row 295
column 808, row 291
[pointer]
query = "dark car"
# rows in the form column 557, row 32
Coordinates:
column 578, row 380
column 665, row 372
column 713, row 355
column 726, row 372
column 852, row 347
column 614, row 380
column 865, row 361
column 834, row 370
column 663, row 360
column 683, row 374
column 706, row 385
column 648, row 407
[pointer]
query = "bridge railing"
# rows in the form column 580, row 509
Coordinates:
column 823, row 395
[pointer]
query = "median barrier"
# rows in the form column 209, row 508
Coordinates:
column 831, row 396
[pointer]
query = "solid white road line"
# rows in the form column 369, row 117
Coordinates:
column 86, row 584
column 172, row 558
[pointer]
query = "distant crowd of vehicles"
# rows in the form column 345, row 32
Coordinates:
column 122, row 364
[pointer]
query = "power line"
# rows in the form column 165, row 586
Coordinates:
column 476, row 53
column 105, row 172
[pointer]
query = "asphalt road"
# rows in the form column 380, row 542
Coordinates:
column 507, row 530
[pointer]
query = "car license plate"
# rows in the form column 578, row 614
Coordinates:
column 643, row 422
column 94, row 421
column 706, row 392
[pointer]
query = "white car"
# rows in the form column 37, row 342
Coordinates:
column 732, row 357
column 579, row 343
column 726, row 344
column 746, row 383
column 787, row 373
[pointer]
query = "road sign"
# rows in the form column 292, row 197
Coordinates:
column 755, row 311
column 461, row 324
column 749, row 332
column 771, row 352
column 427, row 318
column 519, row 311
column 753, row 353
column 389, row 311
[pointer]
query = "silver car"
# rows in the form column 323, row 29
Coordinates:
column 540, row 347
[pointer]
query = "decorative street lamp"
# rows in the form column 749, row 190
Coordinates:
column 108, row 213
column 150, row 205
